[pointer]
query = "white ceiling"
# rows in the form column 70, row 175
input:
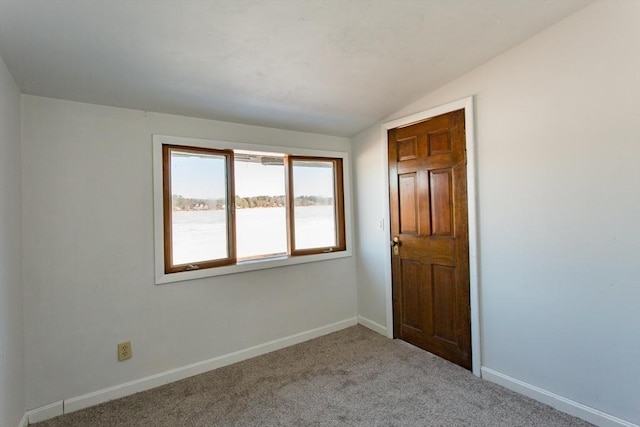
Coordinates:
column 326, row 66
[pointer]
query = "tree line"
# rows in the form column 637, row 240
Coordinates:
column 191, row 204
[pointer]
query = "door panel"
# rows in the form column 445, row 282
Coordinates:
column 440, row 194
column 413, row 295
column 439, row 142
column 408, row 148
column 408, row 203
column 428, row 199
column 443, row 288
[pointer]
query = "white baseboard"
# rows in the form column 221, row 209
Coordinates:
column 24, row 422
column 45, row 412
column 136, row 386
column 376, row 327
column 563, row 404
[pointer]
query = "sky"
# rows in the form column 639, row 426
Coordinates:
column 203, row 177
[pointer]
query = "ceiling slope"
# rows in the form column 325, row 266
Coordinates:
column 332, row 67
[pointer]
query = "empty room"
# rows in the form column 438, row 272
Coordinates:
column 320, row 212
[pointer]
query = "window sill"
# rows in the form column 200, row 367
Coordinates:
column 248, row 265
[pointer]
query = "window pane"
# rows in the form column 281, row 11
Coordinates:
column 261, row 227
column 314, row 204
column 199, row 200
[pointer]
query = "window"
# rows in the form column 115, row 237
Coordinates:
column 315, row 205
column 198, row 222
column 228, row 205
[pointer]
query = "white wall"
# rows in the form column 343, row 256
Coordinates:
column 89, row 267
column 558, row 155
column 11, row 324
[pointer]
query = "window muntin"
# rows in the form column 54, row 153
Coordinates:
column 198, row 225
column 262, row 246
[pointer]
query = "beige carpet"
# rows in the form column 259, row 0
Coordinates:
column 353, row 377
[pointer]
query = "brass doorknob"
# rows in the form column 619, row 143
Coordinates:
column 395, row 243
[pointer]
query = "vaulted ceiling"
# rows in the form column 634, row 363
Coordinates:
column 326, row 66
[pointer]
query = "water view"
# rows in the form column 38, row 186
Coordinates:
column 200, row 235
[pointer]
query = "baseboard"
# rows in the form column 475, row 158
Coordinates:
column 126, row 389
column 563, row 404
column 24, row 422
column 376, row 327
column 45, row 412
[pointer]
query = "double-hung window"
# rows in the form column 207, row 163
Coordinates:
column 229, row 207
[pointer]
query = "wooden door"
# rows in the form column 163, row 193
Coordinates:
column 430, row 261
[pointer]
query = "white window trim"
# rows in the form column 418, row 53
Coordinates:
column 249, row 265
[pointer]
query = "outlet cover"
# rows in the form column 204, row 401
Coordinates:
column 124, row 351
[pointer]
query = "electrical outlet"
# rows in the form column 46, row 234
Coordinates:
column 124, row 351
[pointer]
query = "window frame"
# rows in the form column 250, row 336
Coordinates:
column 167, row 196
column 338, row 207
column 162, row 275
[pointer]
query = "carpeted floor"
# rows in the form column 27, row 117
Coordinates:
column 354, row 377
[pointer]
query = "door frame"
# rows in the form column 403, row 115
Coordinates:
column 474, row 286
